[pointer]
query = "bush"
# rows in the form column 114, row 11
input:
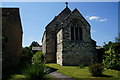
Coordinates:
column 96, row 69
column 81, row 66
column 36, row 71
column 37, row 58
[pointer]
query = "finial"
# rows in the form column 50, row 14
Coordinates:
column 66, row 4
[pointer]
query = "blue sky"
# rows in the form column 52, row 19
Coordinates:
column 102, row 16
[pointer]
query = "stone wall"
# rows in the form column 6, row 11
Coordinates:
column 51, row 35
column 76, row 52
column 12, row 37
column 50, row 54
column 59, row 47
column 44, row 43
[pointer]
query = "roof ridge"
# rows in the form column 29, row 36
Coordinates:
column 73, row 12
column 65, row 9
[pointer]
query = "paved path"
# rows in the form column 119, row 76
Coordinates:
column 60, row 76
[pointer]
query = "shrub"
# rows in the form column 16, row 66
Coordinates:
column 36, row 71
column 37, row 58
column 96, row 69
column 81, row 66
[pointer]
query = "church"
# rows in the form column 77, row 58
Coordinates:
column 67, row 39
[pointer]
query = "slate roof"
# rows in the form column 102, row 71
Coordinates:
column 61, row 16
column 64, row 14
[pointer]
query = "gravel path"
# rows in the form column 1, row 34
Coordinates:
column 60, row 76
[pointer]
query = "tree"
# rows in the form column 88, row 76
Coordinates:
column 106, row 46
column 34, row 44
column 117, row 39
column 26, row 55
column 27, row 52
column 111, row 58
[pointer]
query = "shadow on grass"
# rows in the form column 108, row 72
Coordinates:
column 6, row 73
column 103, row 75
column 52, row 69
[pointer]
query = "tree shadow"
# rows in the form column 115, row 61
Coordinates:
column 103, row 75
column 52, row 69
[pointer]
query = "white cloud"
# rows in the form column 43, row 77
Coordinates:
column 96, row 18
column 87, row 16
column 103, row 20
column 93, row 17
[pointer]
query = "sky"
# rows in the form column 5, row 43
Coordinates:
column 102, row 16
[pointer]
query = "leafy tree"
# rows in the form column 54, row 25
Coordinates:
column 111, row 58
column 27, row 52
column 34, row 44
column 117, row 39
column 26, row 55
column 106, row 46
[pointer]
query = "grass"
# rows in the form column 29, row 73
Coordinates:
column 73, row 71
column 16, row 73
column 23, row 77
column 77, row 72
column 18, row 77
column 7, row 73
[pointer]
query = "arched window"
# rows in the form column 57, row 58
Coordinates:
column 76, row 32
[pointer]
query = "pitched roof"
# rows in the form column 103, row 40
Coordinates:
column 60, row 16
column 63, row 16
column 76, row 11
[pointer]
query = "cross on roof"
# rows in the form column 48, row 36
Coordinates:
column 66, row 4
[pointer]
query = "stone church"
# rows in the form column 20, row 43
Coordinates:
column 67, row 39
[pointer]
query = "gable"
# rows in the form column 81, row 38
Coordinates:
column 75, row 15
column 58, row 19
column 75, row 21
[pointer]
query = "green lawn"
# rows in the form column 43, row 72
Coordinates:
column 76, row 72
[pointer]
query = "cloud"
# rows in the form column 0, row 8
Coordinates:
column 103, row 19
column 87, row 16
column 96, row 18
column 93, row 17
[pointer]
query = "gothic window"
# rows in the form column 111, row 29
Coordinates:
column 76, row 33
column 72, row 33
